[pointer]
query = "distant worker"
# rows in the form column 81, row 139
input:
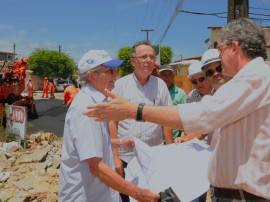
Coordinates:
column 155, row 70
column 7, row 75
column 30, row 87
column 69, row 94
column 51, row 89
column 45, row 87
column 177, row 94
column 20, row 68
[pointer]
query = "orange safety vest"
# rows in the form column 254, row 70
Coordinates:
column 29, row 85
column 46, row 85
column 69, row 94
column 51, row 87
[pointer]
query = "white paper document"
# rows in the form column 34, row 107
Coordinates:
column 183, row 167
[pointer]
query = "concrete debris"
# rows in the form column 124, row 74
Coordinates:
column 30, row 174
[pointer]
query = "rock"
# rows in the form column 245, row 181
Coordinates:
column 4, row 176
column 31, row 174
column 37, row 156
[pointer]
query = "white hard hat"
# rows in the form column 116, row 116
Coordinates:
column 210, row 56
column 194, row 68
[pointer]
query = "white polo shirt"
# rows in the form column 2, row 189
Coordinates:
column 84, row 139
column 154, row 92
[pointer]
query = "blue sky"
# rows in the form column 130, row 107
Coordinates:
column 80, row 25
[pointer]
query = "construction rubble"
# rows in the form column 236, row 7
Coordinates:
column 30, row 174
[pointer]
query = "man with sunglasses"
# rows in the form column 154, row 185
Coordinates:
column 199, row 81
column 211, row 66
column 239, row 169
column 87, row 163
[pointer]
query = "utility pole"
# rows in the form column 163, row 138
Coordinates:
column 14, row 51
column 147, row 30
column 237, row 9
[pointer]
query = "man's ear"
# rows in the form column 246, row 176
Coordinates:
column 132, row 62
column 91, row 75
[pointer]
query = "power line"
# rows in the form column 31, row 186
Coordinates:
column 222, row 13
column 176, row 12
column 264, row 9
column 200, row 13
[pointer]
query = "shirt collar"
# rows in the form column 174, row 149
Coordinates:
column 174, row 89
column 94, row 93
column 138, row 83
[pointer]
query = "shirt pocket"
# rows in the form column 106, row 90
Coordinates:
column 157, row 101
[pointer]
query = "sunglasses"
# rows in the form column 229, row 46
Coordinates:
column 210, row 72
column 195, row 81
column 111, row 71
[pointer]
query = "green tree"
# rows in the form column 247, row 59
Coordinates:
column 165, row 55
column 126, row 68
column 52, row 64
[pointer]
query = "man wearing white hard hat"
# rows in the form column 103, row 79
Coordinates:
column 211, row 66
column 87, row 163
column 199, row 81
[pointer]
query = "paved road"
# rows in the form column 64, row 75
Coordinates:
column 51, row 115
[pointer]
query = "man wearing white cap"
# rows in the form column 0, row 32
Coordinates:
column 87, row 164
column 140, row 86
column 177, row 94
column 199, row 81
column 211, row 66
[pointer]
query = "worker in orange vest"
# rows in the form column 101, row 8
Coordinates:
column 155, row 70
column 20, row 68
column 51, row 89
column 45, row 87
column 30, row 87
column 69, row 94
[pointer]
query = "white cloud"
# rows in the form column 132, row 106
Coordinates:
column 43, row 30
column 4, row 27
column 129, row 5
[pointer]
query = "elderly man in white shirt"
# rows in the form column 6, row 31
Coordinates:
column 87, row 163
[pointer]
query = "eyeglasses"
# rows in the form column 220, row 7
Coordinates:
column 195, row 81
column 111, row 71
column 144, row 57
column 210, row 72
column 107, row 70
column 220, row 49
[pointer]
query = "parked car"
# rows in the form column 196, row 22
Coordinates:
column 62, row 84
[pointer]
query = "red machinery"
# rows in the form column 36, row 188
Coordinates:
column 11, row 89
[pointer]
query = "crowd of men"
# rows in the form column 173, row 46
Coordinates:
column 229, row 108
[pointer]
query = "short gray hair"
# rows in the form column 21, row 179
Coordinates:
column 133, row 49
column 250, row 37
column 82, row 79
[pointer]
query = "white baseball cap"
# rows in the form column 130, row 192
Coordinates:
column 210, row 56
column 165, row 67
column 94, row 58
column 194, row 69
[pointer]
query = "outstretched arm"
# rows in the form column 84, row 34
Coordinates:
column 119, row 109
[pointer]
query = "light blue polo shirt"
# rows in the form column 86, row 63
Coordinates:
column 84, row 139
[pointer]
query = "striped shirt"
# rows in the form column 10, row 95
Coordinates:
column 154, row 92
column 241, row 108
